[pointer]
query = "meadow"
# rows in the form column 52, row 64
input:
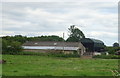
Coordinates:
column 32, row 65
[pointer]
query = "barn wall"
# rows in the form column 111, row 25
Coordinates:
column 32, row 50
column 82, row 49
column 44, row 51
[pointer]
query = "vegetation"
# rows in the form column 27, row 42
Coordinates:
column 13, row 44
column 107, row 56
column 112, row 50
column 22, row 65
column 75, row 34
column 18, row 38
column 11, row 47
column 50, row 54
column 23, row 39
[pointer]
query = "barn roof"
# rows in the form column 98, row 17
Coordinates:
column 51, row 43
column 90, row 40
column 50, row 47
column 94, row 42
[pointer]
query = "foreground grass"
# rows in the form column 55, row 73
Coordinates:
column 26, row 65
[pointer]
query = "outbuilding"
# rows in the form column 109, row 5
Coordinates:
column 93, row 45
column 52, row 46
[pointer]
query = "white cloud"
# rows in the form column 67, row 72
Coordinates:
column 102, row 34
column 59, row 0
column 98, row 20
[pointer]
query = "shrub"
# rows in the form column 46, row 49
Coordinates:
column 107, row 56
column 112, row 50
column 50, row 54
column 11, row 47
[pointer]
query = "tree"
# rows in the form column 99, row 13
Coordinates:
column 46, row 38
column 75, row 34
column 11, row 47
column 112, row 50
column 19, row 38
column 116, row 44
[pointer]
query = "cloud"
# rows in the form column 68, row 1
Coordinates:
column 95, row 19
column 59, row 0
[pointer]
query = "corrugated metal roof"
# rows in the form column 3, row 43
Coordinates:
column 96, row 41
column 50, row 47
column 90, row 40
column 52, row 43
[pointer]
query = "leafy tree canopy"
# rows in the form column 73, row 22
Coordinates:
column 11, row 47
column 75, row 34
column 23, row 39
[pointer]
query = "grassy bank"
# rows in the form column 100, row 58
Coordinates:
column 30, row 65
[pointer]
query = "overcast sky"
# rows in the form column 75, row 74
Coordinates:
column 97, row 19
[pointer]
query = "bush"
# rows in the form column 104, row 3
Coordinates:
column 50, row 54
column 112, row 50
column 107, row 56
column 11, row 47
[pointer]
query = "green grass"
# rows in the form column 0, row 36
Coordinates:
column 107, row 56
column 30, row 65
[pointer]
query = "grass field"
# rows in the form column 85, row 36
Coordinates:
column 26, row 65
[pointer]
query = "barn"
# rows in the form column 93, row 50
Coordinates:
column 93, row 45
column 52, row 46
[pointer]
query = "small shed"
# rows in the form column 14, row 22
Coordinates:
column 93, row 45
column 48, row 46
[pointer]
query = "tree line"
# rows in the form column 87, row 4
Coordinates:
column 23, row 39
column 13, row 44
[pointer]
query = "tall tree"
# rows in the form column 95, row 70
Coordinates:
column 75, row 34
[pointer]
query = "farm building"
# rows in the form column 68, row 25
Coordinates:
column 42, row 46
column 93, row 45
column 87, row 46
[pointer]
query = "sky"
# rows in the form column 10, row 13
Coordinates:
column 97, row 19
